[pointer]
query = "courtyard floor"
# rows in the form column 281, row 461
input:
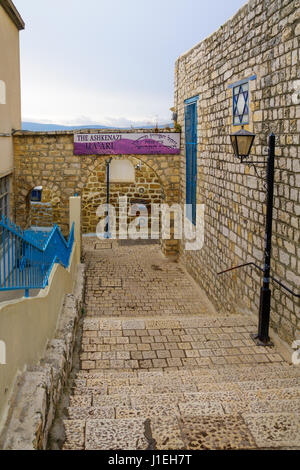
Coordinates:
column 161, row 369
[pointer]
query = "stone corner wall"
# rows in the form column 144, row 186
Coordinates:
column 38, row 390
column 47, row 159
column 261, row 40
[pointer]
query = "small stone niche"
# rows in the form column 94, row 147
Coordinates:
column 121, row 171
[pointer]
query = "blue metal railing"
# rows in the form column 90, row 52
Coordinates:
column 27, row 258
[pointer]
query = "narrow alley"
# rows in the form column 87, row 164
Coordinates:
column 160, row 369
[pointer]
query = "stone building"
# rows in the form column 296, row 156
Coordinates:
column 10, row 96
column 247, row 73
column 48, row 160
column 160, row 368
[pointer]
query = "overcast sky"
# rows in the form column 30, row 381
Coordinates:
column 108, row 62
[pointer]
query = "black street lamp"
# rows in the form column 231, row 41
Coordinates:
column 242, row 142
column 107, row 233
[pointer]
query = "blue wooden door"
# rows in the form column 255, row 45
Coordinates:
column 191, row 157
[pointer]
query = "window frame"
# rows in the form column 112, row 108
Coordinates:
column 234, row 105
column 2, row 92
column 4, row 195
column 38, row 197
column 191, row 184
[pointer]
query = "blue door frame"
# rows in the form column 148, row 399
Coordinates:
column 191, row 157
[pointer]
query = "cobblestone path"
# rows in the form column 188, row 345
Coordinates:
column 160, row 369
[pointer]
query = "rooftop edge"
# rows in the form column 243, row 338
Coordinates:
column 13, row 13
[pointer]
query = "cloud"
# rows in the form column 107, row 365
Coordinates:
column 106, row 121
column 48, row 102
column 125, row 122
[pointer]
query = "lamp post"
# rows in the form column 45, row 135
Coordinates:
column 242, row 142
column 107, row 163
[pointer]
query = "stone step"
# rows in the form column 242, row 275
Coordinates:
column 222, row 321
column 216, row 369
column 157, row 357
column 171, row 343
column 244, row 376
column 145, row 394
column 274, row 430
column 161, row 370
column 196, row 377
column 177, row 407
column 243, row 388
column 231, row 401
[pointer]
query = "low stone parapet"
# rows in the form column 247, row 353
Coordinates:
column 39, row 389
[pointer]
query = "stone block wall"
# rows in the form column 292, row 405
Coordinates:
column 47, row 159
column 146, row 188
column 41, row 214
column 262, row 39
column 37, row 391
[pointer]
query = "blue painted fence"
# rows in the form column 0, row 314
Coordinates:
column 27, row 257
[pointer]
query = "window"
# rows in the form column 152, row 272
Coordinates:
column 2, row 92
column 191, row 157
column 4, row 203
column 36, row 194
column 241, row 101
column 4, row 196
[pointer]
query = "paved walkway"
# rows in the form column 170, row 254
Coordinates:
column 137, row 280
column 160, row 369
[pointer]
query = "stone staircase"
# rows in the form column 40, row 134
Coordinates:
column 160, row 369
column 209, row 403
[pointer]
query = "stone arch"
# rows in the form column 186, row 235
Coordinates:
column 46, row 213
column 166, row 175
column 48, row 159
column 92, row 162
column 146, row 189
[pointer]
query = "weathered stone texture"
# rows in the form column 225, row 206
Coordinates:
column 41, row 214
column 158, row 363
column 47, row 159
column 38, row 390
column 262, row 39
column 147, row 189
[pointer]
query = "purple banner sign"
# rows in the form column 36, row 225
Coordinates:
column 127, row 143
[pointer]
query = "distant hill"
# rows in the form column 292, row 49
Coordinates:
column 38, row 127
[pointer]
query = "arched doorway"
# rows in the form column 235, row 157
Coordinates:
column 42, row 207
column 130, row 177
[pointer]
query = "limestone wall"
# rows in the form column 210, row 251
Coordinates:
column 41, row 214
column 38, row 391
column 146, row 188
column 47, row 159
column 27, row 324
column 262, row 39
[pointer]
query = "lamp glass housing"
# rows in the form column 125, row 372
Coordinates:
column 242, row 142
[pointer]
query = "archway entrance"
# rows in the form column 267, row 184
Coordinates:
column 129, row 178
column 42, row 207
